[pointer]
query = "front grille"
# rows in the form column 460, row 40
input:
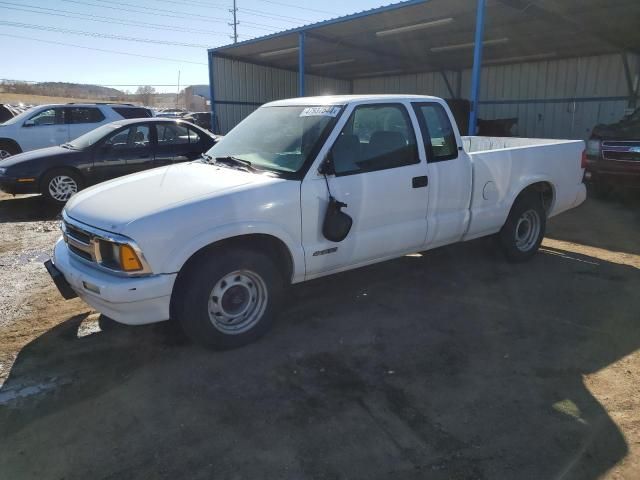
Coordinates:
column 96, row 246
column 80, row 242
column 621, row 151
column 80, row 253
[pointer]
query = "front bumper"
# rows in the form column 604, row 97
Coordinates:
column 133, row 301
column 14, row 187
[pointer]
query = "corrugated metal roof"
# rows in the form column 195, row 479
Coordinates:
column 516, row 31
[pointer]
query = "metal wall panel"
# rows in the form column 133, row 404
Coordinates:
column 240, row 87
column 561, row 98
column 419, row 83
column 552, row 99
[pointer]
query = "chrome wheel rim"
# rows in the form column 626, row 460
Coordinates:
column 4, row 154
column 62, row 187
column 237, row 302
column 527, row 230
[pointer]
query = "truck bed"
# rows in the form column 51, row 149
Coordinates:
column 503, row 166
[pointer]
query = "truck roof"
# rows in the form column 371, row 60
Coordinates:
column 344, row 99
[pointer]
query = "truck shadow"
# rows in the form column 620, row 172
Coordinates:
column 613, row 223
column 450, row 364
column 26, row 208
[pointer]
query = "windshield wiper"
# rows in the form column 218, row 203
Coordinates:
column 236, row 162
column 68, row 146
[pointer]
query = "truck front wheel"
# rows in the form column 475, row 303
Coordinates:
column 522, row 233
column 228, row 297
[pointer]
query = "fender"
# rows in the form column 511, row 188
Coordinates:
column 526, row 182
column 179, row 256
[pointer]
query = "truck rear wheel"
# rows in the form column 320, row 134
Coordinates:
column 522, row 233
column 228, row 298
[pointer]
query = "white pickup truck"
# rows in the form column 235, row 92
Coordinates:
column 300, row 189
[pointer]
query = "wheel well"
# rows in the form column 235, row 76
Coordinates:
column 59, row 169
column 13, row 143
column 258, row 242
column 544, row 190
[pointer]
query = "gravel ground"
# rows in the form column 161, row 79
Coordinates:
column 452, row 364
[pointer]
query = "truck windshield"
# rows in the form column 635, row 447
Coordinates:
column 280, row 139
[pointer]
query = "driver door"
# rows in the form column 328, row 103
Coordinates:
column 46, row 128
column 127, row 150
column 380, row 176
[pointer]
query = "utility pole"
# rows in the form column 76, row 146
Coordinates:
column 234, row 11
column 178, row 94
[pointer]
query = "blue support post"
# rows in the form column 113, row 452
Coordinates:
column 301, row 64
column 214, row 119
column 477, row 67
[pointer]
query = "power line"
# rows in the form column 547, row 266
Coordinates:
column 101, row 49
column 99, row 35
column 299, row 7
column 175, row 12
column 199, row 18
column 217, row 6
column 106, row 20
column 283, row 18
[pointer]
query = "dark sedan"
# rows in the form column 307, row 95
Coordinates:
column 110, row 151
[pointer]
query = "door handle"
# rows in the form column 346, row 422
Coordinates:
column 420, row 182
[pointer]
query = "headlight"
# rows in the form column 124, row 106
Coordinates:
column 120, row 256
column 3, row 171
column 593, row 148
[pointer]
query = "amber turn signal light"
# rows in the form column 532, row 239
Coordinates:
column 129, row 260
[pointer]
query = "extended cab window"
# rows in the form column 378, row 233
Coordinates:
column 376, row 137
column 84, row 115
column 51, row 116
column 439, row 137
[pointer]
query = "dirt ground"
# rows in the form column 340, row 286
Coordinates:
column 451, row 364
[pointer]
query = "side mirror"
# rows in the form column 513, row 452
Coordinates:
column 326, row 167
column 106, row 147
column 29, row 123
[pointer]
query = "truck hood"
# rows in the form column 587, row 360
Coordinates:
column 112, row 205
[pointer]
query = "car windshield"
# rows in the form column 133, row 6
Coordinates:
column 277, row 138
column 94, row 136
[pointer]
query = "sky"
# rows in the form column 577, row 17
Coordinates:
column 41, row 40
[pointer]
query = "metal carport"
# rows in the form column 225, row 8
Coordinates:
column 436, row 37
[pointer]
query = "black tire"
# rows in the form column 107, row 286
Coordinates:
column 51, row 176
column 7, row 149
column 522, row 233
column 202, row 314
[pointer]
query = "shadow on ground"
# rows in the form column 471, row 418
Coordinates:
column 26, row 208
column 450, row 365
column 612, row 223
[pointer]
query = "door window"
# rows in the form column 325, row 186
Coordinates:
column 376, row 137
column 175, row 134
column 84, row 115
column 51, row 116
column 439, row 137
column 134, row 137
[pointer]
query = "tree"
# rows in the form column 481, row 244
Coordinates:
column 145, row 94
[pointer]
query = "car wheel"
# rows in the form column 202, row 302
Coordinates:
column 228, row 298
column 59, row 185
column 522, row 233
column 6, row 150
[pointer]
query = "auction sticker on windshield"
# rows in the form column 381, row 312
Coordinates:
column 327, row 111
